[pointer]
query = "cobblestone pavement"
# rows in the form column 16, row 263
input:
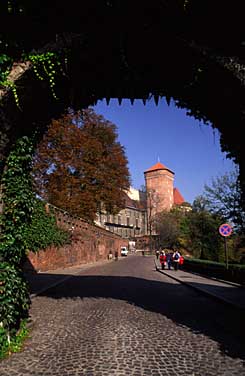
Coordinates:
column 124, row 318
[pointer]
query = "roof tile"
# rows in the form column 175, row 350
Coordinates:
column 158, row 166
column 178, row 198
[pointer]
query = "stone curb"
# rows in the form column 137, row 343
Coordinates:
column 204, row 292
column 234, row 284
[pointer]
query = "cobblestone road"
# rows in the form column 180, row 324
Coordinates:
column 124, row 318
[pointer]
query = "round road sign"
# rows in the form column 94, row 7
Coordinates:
column 225, row 229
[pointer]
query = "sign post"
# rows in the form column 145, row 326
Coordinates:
column 225, row 230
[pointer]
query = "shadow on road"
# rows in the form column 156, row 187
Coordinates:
column 177, row 302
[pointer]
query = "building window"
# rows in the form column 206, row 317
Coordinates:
column 127, row 221
column 119, row 219
column 137, row 222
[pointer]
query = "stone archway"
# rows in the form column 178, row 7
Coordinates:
column 125, row 49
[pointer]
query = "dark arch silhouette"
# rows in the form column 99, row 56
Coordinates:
column 128, row 49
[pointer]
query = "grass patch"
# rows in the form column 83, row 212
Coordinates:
column 12, row 342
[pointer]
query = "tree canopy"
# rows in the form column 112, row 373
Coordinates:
column 193, row 231
column 167, row 227
column 80, row 166
column 223, row 197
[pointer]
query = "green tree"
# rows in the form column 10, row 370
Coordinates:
column 80, row 166
column 199, row 204
column 221, row 201
column 223, row 197
column 167, row 226
column 200, row 231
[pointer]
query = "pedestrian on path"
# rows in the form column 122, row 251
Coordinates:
column 116, row 255
column 157, row 254
column 163, row 260
column 169, row 260
column 181, row 261
column 176, row 257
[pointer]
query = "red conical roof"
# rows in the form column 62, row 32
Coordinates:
column 178, row 198
column 158, row 166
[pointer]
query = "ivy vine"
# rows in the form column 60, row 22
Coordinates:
column 5, row 68
column 43, row 230
column 24, row 226
column 12, row 86
column 46, row 66
column 5, row 65
column 18, row 201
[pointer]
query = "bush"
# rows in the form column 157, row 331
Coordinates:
column 14, row 305
column 14, row 296
column 43, row 230
column 13, row 341
column 234, row 273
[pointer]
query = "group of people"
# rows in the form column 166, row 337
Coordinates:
column 170, row 259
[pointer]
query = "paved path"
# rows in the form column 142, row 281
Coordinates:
column 125, row 318
column 228, row 292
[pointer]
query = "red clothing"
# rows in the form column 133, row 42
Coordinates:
column 162, row 258
column 181, row 260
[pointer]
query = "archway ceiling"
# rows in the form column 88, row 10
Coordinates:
column 184, row 50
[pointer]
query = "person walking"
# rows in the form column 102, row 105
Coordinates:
column 163, row 259
column 181, row 261
column 176, row 257
column 169, row 260
column 116, row 255
column 157, row 254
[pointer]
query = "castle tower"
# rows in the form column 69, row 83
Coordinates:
column 159, row 182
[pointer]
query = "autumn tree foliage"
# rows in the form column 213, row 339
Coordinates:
column 80, row 166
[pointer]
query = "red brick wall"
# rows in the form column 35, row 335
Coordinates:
column 161, row 183
column 89, row 244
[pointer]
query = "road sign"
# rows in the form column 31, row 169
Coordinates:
column 225, row 229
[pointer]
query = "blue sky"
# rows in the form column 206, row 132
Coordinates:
column 187, row 147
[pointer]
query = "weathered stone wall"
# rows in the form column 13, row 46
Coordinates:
column 89, row 244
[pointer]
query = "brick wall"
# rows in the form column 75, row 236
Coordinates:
column 160, row 183
column 88, row 244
